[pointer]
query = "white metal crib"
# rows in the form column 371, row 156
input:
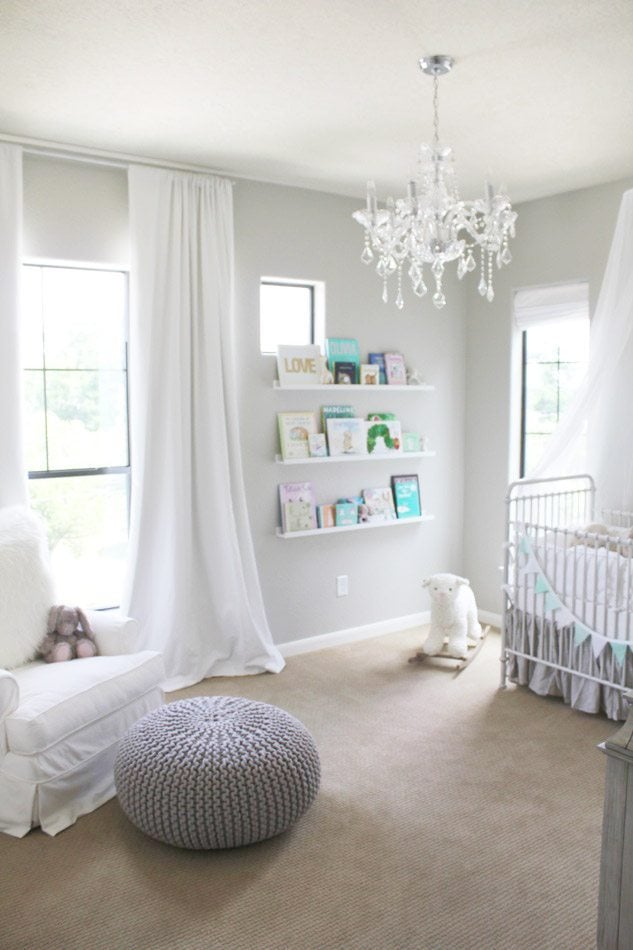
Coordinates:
column 568, row 595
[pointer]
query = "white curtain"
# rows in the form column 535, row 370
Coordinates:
column 603, row 406
column 13, row 484
column 192, row 581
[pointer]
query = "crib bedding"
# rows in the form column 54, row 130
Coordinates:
column 594, row 584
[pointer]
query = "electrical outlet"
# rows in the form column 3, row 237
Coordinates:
column 342, row 586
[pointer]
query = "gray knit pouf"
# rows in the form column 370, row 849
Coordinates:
column 216, row 772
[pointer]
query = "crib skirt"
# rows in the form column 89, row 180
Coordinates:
column 543, row 639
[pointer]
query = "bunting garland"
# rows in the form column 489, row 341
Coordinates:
column 564, row 616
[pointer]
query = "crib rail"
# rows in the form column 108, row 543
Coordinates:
column 551, row 559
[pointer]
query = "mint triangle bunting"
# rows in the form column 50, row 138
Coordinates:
column 580, row 633
column 619, row 652
column 541, row 586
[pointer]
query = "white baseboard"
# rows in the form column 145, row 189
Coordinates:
column 486, row 616
column 353, row 634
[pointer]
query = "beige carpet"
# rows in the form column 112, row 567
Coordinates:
column 451, row 815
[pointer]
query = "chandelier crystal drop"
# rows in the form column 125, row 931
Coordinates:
column 433, row 225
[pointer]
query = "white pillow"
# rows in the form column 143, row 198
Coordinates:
column 26, row 586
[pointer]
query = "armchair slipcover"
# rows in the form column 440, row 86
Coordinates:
column 61, row 723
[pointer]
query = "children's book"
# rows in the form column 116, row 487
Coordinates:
column 326, row 515
column 299, row 365
column 410, row 442
column 370, row 374
column 346, row 513
column 299, row 516
column 384, row 437
column 346, row 436
column 293, row 499
column 345, row 372
column 406, row 493
column 377, row 416
column 317, row 445
column 342, row 350
column 380, row 506
column 395, row 369
column 295, row 429
column 379, row 360
column 335, row 412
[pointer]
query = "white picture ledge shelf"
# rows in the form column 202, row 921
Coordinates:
column 395, row 457
column 354, row 387
column 290, row 535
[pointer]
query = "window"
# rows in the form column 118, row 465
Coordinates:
column 290, row 312
column 74, row 346
column 555, row 349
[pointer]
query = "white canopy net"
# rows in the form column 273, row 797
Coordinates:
column 603, row 406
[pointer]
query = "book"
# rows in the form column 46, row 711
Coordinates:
column 295, row 429
column 290, row 495
column 377, row 416
column 326, row 516
column 380, row 506
column 345, row 372
column 384, row 437
column 346, row 436
column 410, row 442
column 346, row 513
column 395, row 369
column 379, row 360
column 299, row 516
column 370, row 374
column 340, row 349
column 335, row 412
column 406, row 494
column 317, row 445
column 299, row 365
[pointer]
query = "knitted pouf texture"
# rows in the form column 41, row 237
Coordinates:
column 216, row 772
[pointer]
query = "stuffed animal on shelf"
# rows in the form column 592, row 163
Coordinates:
column 69, row 636
column 453, row 616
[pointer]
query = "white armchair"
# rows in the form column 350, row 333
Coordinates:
column 60, row 723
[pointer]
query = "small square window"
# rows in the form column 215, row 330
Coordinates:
column 290, row 313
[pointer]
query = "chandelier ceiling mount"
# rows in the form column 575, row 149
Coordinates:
column 433, row 225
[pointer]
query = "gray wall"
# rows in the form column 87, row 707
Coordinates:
column 79, row 212
column 305, row 234
column 562, row 238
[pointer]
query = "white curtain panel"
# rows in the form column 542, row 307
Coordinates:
column 603, row 406
column 13, row 483
column 192, row 580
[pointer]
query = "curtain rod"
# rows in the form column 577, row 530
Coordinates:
column 97, row 157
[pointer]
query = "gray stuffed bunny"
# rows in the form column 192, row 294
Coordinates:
column 69, row 636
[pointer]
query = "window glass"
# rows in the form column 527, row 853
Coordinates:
column 74, row 325
column 87, row 522
column 286, row 315
column 555, row 356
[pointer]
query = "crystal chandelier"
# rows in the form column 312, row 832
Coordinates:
column 433, row 225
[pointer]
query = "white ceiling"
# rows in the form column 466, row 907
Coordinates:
column 327, row 93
